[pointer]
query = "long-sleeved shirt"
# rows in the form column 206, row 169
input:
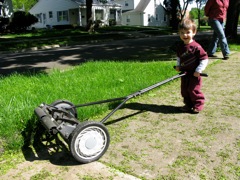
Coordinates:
column 216, row 9
column 192, row 57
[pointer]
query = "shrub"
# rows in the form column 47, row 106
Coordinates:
column 112, row 22
column 204, row 21
column 3, row 24
column 21, row 21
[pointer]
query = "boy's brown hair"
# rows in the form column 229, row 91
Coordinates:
column 187, row 24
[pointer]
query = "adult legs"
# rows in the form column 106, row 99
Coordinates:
column 218, row 36
column 213, row 45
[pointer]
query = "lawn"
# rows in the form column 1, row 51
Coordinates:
column 96, row 81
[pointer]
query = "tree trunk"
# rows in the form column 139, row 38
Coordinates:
column 89, row 13
column 232, row 18
column 175, row 18
column 199, row 18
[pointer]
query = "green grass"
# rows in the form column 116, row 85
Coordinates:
column 92, row 81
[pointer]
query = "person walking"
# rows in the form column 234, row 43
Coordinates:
column 216, row 11
column 192, row 59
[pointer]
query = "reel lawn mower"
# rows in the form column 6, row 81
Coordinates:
column 88, row 140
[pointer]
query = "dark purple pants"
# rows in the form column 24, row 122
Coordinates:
column 191, row 92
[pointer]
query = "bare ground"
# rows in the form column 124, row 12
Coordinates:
column 152, row 139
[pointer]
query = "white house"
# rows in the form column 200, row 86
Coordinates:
column 73, row 12
column 143, row 13
column 6, row 8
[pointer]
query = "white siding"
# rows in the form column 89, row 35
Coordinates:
column 127, row 4
column 75, row 10
column 46, row 6
column 151, row 14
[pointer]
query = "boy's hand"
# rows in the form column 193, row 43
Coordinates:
column 196, row 74
column 177, row 68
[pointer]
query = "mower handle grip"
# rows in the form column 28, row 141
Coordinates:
column 201, row 74
column 204, row 74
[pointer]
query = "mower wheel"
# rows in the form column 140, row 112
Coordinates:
column 89, row 141
column 66, row 104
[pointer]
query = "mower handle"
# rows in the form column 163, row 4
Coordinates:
column 201, row 74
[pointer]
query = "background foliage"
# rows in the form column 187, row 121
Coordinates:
column 27, row 4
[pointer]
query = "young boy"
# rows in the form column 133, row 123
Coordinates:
column 192, row 59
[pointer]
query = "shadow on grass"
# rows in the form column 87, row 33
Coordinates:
column 165, row 109
column 123, row 118
column 27, row 71
column 141, row 108
column 40, row 145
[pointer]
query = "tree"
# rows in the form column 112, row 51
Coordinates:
column 232, row 18
column 183, row 8
column 26, row 4
column 194, row 13
column 200, row 4
column 172, row 8
column 177, row 10
column 89, row 11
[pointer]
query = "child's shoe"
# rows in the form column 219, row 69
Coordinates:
column 195, row 111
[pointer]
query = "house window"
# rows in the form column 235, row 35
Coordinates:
column 165, row 17
column 149, row 18
column 99, row 14
column 157, row 17
column 50, row 14
column 128, row 18
column 39, row 17
column 62, row 16
column 44, row 18
column 126, row 3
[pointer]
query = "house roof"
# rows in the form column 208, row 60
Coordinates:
column 140, row 7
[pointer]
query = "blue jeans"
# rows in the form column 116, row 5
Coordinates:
column 218, row 36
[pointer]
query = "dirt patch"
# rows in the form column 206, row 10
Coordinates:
column 152, row 139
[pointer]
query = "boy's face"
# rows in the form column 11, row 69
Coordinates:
column 186, row 35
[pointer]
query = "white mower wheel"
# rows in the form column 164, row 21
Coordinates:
column 89, row 141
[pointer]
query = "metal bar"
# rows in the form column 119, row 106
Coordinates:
column 98, row 102
column 114, row 110
column 139, row 93
column 155, row 86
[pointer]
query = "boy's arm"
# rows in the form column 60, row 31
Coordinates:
column 201, row 67
column 178, row 64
